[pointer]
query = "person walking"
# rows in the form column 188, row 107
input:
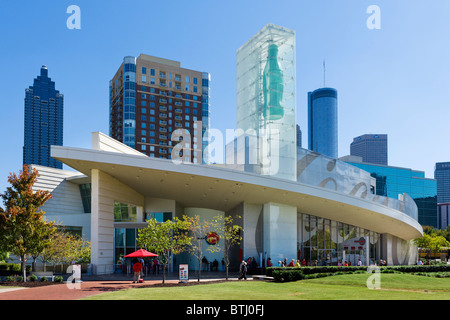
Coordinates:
column 243, row 270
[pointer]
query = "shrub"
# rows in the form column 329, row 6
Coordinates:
column 44, row 279
column 32, row 278
column 9, row 279
column 58, row 279
column 8, row 269
column 294, row 274
column 287, row 274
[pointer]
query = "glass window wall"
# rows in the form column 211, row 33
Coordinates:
column 320, row 241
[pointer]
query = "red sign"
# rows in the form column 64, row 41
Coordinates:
column 212, row 238
column 361, row 241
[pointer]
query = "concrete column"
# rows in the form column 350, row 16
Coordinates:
column 280, row 231
column 105, row 191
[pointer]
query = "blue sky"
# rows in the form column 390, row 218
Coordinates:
column 394, row 80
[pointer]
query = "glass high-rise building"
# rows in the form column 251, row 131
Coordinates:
column 266, row 99
column 43, row 125
column 299, row 137
column 442, row 175
column 150, row 98
column 323, row 122
column 373, row 148
column 392, row 181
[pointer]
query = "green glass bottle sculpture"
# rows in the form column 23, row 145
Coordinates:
column 273, row 86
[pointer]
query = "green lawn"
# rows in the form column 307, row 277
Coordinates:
column 346, row 287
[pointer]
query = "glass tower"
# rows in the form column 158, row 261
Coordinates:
column 442, row 175
column 266, row 99
column 371, row 147
column 323, row 122
column 43, row 125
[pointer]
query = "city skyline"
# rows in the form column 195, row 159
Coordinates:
column 388, row 79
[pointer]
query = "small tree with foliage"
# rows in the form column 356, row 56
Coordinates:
column 230, row 233
column 23, row 230
column 66, row 248
column 164, row 238
column 198, row 230
column 433, row 242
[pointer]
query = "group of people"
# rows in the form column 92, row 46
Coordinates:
column 293, row 263
column 145, row 265
column 383, row 263
column 212, row 266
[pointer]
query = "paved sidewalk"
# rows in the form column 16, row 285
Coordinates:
column 92, row 285
column 62, row 291
column 6, row 289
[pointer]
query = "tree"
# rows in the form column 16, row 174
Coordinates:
column 198, row 230
column 230, row 233
column 66, row 248
column 437, row 243
column 23, row 230
column 42, row 240
column 433, row 242
column 164, row 238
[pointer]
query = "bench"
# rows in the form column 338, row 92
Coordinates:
column 44, row 274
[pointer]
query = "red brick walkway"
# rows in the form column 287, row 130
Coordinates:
column 62, row 292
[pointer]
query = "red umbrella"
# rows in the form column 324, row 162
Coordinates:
column 141, row 253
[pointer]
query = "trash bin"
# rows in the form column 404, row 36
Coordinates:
column 90, row 269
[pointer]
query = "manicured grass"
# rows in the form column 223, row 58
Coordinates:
column 346, row 287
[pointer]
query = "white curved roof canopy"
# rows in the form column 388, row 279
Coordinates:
column 213, row 187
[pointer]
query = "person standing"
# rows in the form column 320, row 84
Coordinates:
column 155, row 266
column 137, row 267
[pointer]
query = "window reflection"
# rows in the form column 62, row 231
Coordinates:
column 320, row 241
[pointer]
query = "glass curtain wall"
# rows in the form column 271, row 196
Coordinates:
column 320, row 241
column 266, row 99
column 129, row 101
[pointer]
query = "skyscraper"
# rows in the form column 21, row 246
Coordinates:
column 266, row 99
column 43, row 125
column 150, row 98
column 299, row 136
column 442, row 175
column 323, row 122
column 371, row 147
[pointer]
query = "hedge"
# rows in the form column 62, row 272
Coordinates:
column 11, row 269
column 294, row 274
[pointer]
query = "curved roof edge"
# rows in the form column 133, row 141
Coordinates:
column 195, row 185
